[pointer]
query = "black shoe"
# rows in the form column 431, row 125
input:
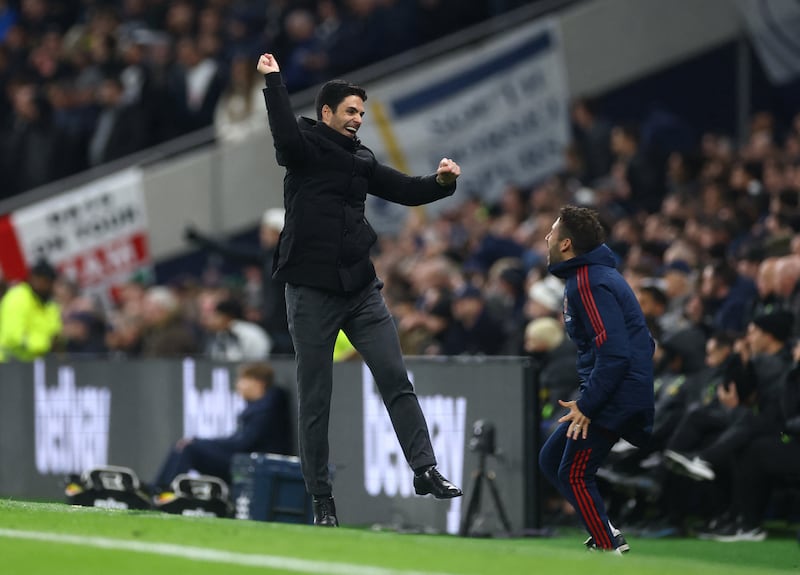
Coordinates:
column 325, row 512
column 620, row 545
column 432, row 482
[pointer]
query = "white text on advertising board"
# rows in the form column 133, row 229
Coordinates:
column 72, row 423
column 209, row 412
column 385, row 467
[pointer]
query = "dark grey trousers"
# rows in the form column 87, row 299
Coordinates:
column 315, row 318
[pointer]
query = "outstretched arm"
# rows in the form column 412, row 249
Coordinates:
column 400, row 188
column 289, row 148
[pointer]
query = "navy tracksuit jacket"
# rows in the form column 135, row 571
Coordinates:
column 615, row 366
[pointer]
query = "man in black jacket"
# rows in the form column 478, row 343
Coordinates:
column 323, row 256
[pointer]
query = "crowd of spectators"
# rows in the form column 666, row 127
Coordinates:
column 85, row 82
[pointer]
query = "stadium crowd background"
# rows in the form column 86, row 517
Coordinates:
column 706, row 231
column 76, row 75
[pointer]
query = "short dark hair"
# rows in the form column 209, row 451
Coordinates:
column 656, row 293
column 722, row 271
column 725, row 338
column 260, row 371
column 230, row 307
column 582, row 226
column 333, row 92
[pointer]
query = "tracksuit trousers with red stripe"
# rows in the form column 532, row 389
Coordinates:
column 571, row 466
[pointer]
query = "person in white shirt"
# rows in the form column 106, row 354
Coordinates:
column 232, row 338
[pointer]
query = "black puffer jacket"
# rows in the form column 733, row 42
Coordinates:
column 326, row 239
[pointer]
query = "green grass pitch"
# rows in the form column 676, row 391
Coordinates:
column 42, row 538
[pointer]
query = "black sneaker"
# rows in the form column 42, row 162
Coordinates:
column 325, row 512
column 620, row 545
column 432, row 482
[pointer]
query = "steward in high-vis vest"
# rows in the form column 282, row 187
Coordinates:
column 29, row 319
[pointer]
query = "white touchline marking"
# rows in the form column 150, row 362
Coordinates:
column 211, row 555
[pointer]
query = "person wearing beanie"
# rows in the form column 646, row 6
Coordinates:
column 545, row 298
column 778, row 325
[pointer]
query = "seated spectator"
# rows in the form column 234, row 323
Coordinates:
column 764, row 463
column 701, row 447
column 84, row 334
column 677, row 276
column 273, row 299
column 124, row 337
column 554, row 357
column 232, row 338
column 263, row 426
column 473, row 330
column 653, row 302
column 30, row 320
column 422, row 328
column 727, row 297
column 166, row 333
column 545, row 298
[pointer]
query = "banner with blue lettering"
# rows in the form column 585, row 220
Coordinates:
column 498, row 108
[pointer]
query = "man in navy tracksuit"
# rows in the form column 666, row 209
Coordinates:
column 615, row 365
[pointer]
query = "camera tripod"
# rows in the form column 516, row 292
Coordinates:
column 474, row 504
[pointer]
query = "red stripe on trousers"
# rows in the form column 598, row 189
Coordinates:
column 580, row 497
column 591, row 500
column 586, row 504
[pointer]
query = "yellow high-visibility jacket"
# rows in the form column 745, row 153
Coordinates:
column 27, row 326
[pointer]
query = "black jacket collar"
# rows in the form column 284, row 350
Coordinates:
column 348, row 143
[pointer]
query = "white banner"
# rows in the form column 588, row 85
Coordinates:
column 774, row 28
column 95, row 234
column 499, row 109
